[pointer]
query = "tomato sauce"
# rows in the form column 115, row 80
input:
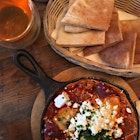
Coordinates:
column 89, row 89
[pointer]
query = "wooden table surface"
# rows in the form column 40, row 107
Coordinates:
column 18, row 91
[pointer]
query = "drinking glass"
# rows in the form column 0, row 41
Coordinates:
column 19, row 23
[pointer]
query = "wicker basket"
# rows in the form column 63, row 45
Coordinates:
column 129, row 6
column 55, row 8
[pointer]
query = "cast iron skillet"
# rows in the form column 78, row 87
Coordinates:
column 50, row 86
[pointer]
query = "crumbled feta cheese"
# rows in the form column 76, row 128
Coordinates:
column 111, row 124
column 118, row 132
column 75, row 105
column 95, row 119
column 99, row 102
column 106, row 121
column 61, row 100
column 87, row 114
column 68, row 103
column 119, row 120
column 107, row 105
column 114, row 113
column 71, row 127
column 72, row 121
column 107, row 90
column 76, row 133
column 81, row 122
column 115, row 107
column 128, row 110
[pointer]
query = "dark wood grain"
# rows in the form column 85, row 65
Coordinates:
column 18, row 91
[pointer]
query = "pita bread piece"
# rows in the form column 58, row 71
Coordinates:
column 93, row 14
column 89, row 50
column 134, row 25
column 114, row 33
column 75, row 49
column 73, row 29
column 91, row 37
column 88, row 38
column 112, row 36
column 121, row 55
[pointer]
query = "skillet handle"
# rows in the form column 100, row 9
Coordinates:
column 37, row 73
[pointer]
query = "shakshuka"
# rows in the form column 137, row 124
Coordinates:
column 89, row 109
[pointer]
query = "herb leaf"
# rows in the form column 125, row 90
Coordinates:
column 86, row 135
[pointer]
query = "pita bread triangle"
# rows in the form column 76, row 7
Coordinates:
column 91, row 37
column 114, row 33
column 121, row 55
column 88, row 38
column 93, row 14
column 134, row 25
column 112, row 36
column 74, row 29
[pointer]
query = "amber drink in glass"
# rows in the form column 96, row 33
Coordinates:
column 19, row 23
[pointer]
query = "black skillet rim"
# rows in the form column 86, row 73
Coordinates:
column 100, row 80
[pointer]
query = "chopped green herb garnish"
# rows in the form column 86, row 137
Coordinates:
column 59, row 119
column 86, row 135
column 88, row 117
column 79, row 126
